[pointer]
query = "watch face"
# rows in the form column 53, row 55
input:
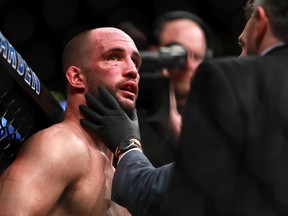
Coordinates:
column 125, row 146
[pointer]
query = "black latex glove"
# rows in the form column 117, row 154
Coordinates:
column 109, row 120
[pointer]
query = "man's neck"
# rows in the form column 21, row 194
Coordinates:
column 89, row 137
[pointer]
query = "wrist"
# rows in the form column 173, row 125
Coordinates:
column 127, row 145
column 123, row 155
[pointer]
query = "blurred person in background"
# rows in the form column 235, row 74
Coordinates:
column 190, row 31
column 232, row 152
column 159, row 138
column 242, row 39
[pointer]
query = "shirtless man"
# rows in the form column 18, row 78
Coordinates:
column 66, row 169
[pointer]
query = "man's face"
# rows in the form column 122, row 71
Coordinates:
column 257, row 32
column 242, row 41
column 114, row 64
column 188, row 34
column 248, row 38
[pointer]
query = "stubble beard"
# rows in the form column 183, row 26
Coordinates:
column 127, row 107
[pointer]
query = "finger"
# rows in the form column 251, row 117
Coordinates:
column 134, row 116
column 97, row 105
column 90, row 125
column 93, row 115
column 108, row 98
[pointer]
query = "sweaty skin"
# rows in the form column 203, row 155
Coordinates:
column 66, row 170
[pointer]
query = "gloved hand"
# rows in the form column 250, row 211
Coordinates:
column 109, row 120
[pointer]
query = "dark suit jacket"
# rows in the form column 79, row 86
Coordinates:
column 233, row 155
column 234, row 141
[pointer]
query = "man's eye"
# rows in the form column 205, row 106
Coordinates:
column 199, row 57
column 113, row 57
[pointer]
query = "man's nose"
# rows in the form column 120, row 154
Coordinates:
column 131, row 70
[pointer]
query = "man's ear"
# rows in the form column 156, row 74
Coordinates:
column 75, row 77
column 262, row 23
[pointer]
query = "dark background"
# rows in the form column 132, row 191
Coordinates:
column 39, row 29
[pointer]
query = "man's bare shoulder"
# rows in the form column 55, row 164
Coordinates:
column 58, row 143
column 46, row 137
column 55, row 135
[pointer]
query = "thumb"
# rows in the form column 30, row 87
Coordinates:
column 134, row 116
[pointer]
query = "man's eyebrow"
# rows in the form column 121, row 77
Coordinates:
column 115, row 49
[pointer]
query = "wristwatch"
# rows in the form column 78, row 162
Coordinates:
column 126, row 145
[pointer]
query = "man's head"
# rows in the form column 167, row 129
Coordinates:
column 267, row 24
column 193, row 33
column 102, row 57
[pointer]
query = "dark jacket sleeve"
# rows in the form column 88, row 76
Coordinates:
column 225, row 129
column 138, row 185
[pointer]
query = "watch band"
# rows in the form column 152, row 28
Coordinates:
column 126, row 145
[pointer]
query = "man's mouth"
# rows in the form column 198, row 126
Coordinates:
column 130, row 87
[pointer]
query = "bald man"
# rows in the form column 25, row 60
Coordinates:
column 66, row 169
